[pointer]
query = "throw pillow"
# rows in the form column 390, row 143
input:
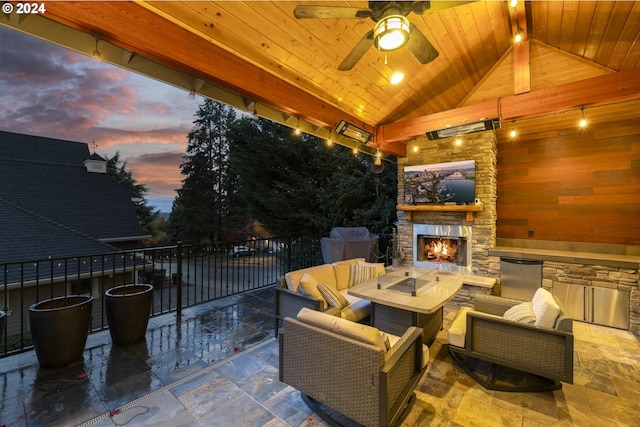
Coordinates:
column 309, row 287
column 332, row 296
column 378, row 265
column 545, row 308
column 360, row 273
column 521, row 313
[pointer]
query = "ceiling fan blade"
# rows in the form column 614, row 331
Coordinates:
column 420, row 47
column 436, row 5
column 357, row 52
column 328, row 12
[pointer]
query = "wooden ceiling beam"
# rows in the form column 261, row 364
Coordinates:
column 404, row 130
column 620, row 86
column 614, row 87
column 138, row 29
column 521, row 52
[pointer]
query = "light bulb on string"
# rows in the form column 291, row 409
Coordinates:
column 297, row 131
column 583, row 120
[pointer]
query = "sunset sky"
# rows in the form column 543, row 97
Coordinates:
column 54, row 92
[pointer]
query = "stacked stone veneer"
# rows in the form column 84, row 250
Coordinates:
column 480, row 147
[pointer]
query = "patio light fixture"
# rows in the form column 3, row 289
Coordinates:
column 391, row 33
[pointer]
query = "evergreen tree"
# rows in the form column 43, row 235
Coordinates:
column 296, row 185
column 202, row 202
column 146, row 214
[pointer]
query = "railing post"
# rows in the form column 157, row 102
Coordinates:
column 179, row 274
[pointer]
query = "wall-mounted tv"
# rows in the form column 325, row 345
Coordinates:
column 440, row 182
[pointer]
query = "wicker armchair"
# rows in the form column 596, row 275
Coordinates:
column 547, row 353
column 371, row 386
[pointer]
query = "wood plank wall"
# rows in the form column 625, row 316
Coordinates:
column 571, row 185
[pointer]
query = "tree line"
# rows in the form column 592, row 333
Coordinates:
column 249, row 177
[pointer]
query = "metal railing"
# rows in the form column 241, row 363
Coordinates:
column 182, row 276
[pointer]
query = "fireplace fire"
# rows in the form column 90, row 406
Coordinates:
column 438, row 249
column 443, row 247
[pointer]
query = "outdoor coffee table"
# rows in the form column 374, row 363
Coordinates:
column 406, row 297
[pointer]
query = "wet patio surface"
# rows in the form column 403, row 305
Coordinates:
column 219, row 367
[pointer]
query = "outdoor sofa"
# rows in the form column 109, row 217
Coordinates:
column 300, row 288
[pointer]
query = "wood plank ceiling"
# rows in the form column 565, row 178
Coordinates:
column 259, row 50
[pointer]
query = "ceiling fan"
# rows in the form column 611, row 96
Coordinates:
column 392, row 25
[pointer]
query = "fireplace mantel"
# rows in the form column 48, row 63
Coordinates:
column 469, row 209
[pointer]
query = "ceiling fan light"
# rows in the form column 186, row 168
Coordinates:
column 391, row 33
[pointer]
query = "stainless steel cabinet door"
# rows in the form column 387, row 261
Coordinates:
column 610, row 307
column 573, row 299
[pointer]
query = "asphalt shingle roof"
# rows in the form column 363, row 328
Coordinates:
column 51, row 206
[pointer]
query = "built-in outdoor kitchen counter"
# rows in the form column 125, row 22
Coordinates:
column 598, row 283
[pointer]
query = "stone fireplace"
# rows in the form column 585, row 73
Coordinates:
column 473, row 233
column 442, row 247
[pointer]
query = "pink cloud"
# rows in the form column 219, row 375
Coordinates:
column 54, row 92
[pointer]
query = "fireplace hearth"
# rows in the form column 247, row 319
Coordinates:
column 442, row 247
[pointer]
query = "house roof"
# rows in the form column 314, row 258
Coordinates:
column 51, row 205
column 257, row 56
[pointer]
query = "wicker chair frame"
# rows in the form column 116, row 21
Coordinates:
column 544, row 352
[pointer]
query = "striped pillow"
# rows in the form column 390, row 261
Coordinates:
column 521, row 313
column 360, row 273
column 333, row 297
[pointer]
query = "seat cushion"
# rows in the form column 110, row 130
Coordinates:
column 363, row 333
column 395, row 342
column 458, row 329
column 545, row 308
column 357, row 310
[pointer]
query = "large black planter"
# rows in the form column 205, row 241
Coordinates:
column 128, row 308
column 59, row 329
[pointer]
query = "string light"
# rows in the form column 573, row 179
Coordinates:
column 518, row 37
column 297, row 131
column 415, row 148
column 329, row 141
column 378, row 160
column 513, row 132
column 458, row 141
column 583, row 120
column 355, row 150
